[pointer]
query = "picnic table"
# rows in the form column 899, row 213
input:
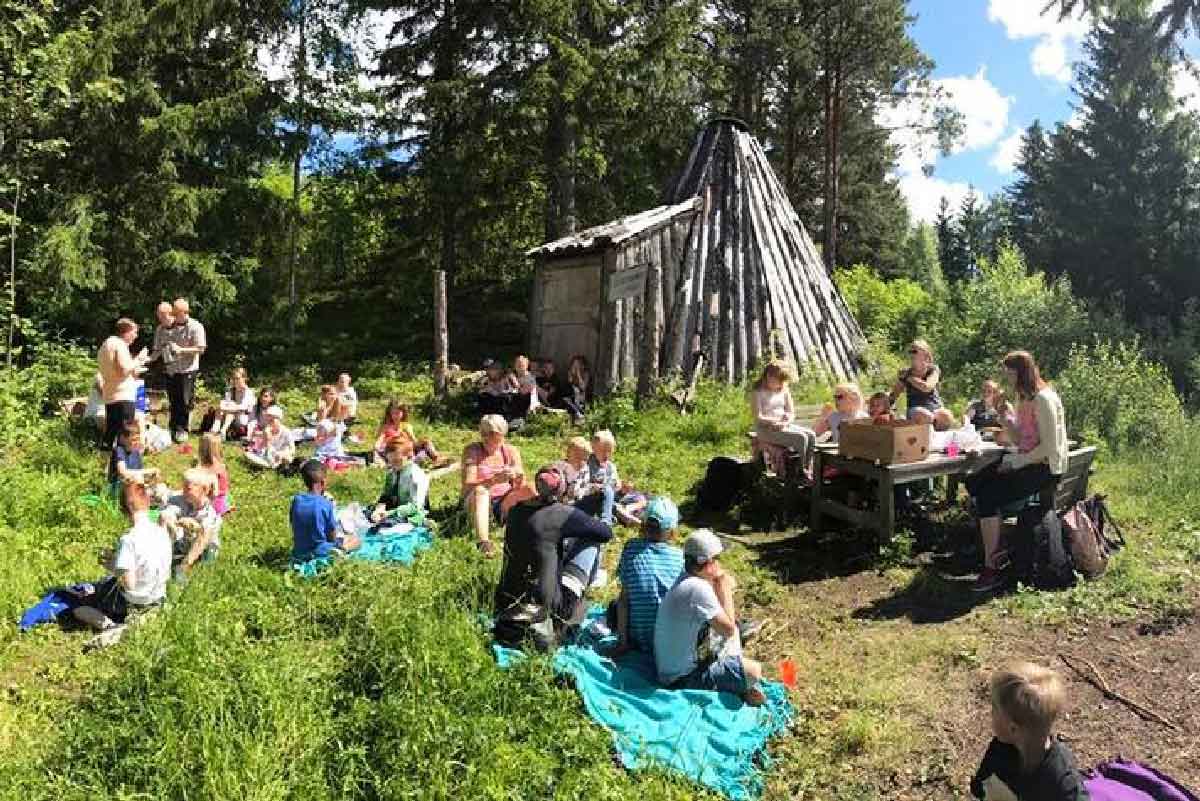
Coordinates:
column 882, row 518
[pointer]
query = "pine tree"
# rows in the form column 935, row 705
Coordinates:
column 919, row 261
column 971, row 228
column 1031, row 215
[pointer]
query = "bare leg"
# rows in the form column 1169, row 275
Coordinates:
column 943, row 420
column 989, row 531
column 351, row 542
column 481, row 513
column 753, row 696
column 921, row 415
column 199, row 544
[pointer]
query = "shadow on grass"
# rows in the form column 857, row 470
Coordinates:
column 810, row 557
column 275, row 558
column 930, row 597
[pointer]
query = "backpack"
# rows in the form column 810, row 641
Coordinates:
column 1084, row 531
column 725, row 480
column 1126, row 780
column 1038, row 550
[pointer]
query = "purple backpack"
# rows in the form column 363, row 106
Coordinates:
column 1125, row 780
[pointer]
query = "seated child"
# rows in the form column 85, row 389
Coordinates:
column 1024, row 761
column 990, row 410
column 578, row 453
column 258, row 417
column 607, row 496
column 395, row 423
column 553, row 388
column 232, row 416
column 848, row 406
column 329, row 440
column 774, row 419
column 125, row 462
column 314, row 522
column 140, row 567
column 405, row 483
column 649, row 567
column 579, row 385
column 497, row 394
column 194, row 526
column 272, row 446
column 526, row 401
column 879, row 408
column 348, row 397
column 326, row 399
column 210, row 459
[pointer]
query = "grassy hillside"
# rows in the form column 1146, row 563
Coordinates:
column 376, row 682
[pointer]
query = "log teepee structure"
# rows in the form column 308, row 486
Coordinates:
column 724, row 268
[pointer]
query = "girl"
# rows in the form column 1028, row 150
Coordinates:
column 579, row 383
column 774, row 414
column 1040, row 431
column 211, row 460
column 273, row 446
column 848, row 405
column 395, row 424
column 919, row 383
column 879, row 408
column 236, row 407
column 991, row 408
column 258, row 417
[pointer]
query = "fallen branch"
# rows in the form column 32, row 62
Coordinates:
column 1097, row 680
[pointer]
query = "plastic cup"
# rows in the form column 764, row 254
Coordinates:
column 787, row 673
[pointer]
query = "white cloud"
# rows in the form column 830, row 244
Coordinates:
column 1057, row 40
column 985, row 120
column 1004, row 160
column 1187, row 88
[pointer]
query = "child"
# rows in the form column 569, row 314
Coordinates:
column 578, row 452
column 848, row 405
column 406, row 483
column 348, row 397
column 774, row 419
column 879, row 408
column 526, row 402
column 395, row 423
column 498, row 390
column 608, row 496
column 990, row 410
column 326, row 399
column 273, row 446
column 579, row 384
column 329, row 440
column 210, row 459
column 194, row 526
column 314, row 522
column 650, row 565
column 552, row 389
column 125, row 462
column 258, row 417
column 140, row 568
column 1024, row 761
column 919, row 383
column 236, row 407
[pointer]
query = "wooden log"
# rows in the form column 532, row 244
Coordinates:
column 751, row 304
column 696, row 316
column 706, row 336
column 441, row 334
column 680, row 307
column 607, row 352
column 666, row 259
column 724, row 319
column 737, row 275
column 651, row 340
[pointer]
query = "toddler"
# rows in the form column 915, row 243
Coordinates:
column 272, row 446
column 608, row 496
column 578, row 453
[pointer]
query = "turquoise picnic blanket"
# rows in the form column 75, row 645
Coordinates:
column 712, row 738
column 397, row 540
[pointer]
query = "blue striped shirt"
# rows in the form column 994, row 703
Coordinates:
column 647, row 571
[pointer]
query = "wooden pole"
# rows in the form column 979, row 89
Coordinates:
column 441, row 334
column 652, row 318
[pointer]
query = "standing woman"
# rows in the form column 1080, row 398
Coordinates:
column 118, row 371
column 1040, row 431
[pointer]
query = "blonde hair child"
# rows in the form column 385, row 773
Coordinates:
column 209, row 457
column 776, row 432
column 847, row 406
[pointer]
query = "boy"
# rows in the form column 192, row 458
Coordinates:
column 578, row 451
column 405, row 481
column 349, row 398
column 606, row 493
column 649, row 567
column 125, row 463
column 194, row 526
column 314, row 522
column 140, row 567
column 1024, row 762
column 696, row 641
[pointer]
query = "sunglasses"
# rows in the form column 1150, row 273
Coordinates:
column 913, row 352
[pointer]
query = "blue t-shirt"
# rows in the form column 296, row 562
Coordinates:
column 313, row 521
column 131, row 457
column 647, row 571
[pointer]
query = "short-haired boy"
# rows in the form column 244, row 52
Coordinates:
column 607, row 496
column 578, row 451
column 314, row 523
column 1024, row 762
column 697, row 645
column 650, row 565
column 194, row 525
column 405, row 482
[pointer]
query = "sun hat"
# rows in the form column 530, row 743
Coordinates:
column 702, row 545
column 662, row 511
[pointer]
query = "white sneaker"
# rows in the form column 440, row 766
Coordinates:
column 600, row 579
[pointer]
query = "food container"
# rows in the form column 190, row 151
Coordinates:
column 899, row 442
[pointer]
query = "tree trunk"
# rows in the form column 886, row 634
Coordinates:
column 12, row 275
column 561, row 134
column 441, row 334
column 298, row 157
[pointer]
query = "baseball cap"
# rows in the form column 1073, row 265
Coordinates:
column 275, row 411
column 663, row 512
column 702, row 545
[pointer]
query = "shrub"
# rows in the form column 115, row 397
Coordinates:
column 1114, row 392
column 894, row 311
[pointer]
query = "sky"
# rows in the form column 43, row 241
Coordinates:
column 1003, row 65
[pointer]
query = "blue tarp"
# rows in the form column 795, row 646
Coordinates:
column 712, row 738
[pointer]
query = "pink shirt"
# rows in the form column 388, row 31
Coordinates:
column 1027, row 425
column 487, row 466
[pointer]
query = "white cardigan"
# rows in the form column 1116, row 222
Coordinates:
column 1052, row 435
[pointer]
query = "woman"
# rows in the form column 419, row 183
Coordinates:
column 493, row 479
column 579, row 383
column 1040, row 432
column 119, row 370
column 919, row 383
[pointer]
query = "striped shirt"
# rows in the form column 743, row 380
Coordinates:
column 647, row 571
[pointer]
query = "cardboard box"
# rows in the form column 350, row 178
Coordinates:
column 898, row 442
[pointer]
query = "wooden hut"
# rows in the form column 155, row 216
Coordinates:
column 724, row 268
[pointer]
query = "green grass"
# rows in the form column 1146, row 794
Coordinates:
column 376, row 682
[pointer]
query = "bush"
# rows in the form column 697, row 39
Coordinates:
column 1112, row 391
column 894, row 311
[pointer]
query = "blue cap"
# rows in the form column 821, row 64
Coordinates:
column 663, row 512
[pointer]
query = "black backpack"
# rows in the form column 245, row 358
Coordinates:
column 725, row 482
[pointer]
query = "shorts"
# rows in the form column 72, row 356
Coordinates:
column 912, row 411
column 108, row 598
column 726, row 675
column 497, row 510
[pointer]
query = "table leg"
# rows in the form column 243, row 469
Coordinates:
column 818, row 488
column 887, row 508
column 951, row 489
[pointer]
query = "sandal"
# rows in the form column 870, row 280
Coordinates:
column 487, row 548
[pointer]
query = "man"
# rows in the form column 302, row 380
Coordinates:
column 551, row 551
column 186, row 341
column 696, row 641
column 118, row 373
column 162, row 333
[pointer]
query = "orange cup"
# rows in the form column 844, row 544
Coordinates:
column 787, row 673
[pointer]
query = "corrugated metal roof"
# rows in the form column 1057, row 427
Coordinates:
column 615, row 232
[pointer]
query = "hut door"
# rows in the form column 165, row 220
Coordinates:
column 570, row 313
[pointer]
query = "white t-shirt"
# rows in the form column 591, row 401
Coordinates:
column 206, row 516
column 146, row 551
column 117, row 367
column 683, row 615
column 333, row 445
column 349, row 399
column 837, row 418
column 246, row 404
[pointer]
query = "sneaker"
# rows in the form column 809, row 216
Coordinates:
column 599, row 579
column 181, row 436
column 990, row 580
column 748, row 629
column 516, row 424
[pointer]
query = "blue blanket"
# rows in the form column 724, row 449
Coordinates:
column 400, row 543
column 712, row 738
column 54, row 605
